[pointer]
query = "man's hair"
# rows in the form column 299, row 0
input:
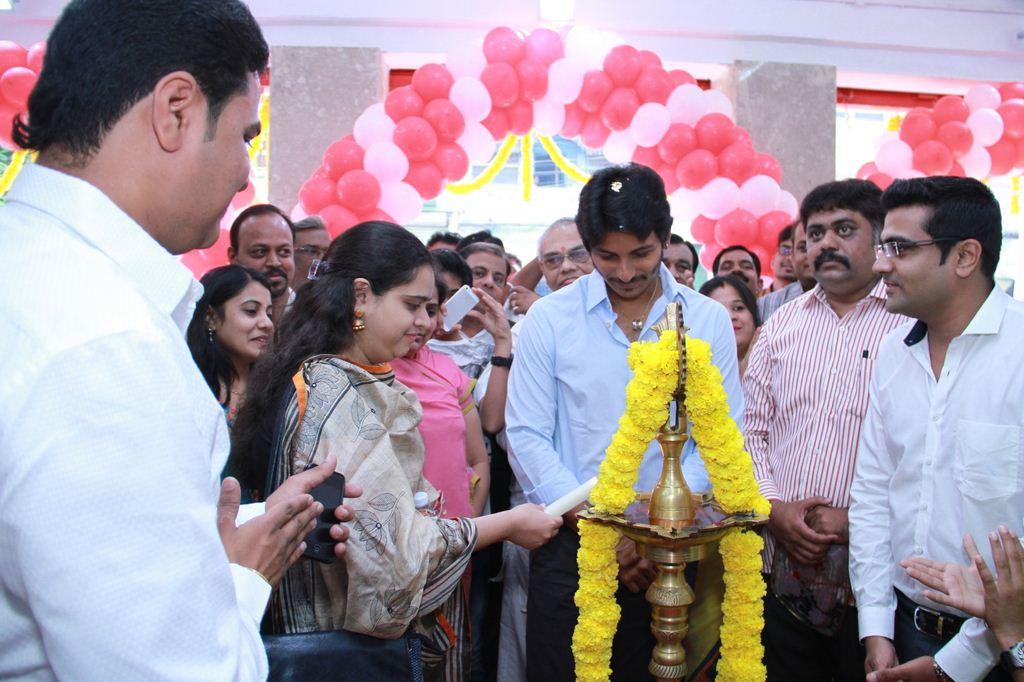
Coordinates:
column 861, row 196
column 448, row 260
column 676, row 239
column 313, row 222
column 963, row 208
column 483, row 236
column 786, row 234
column 252, row 212
column 104, row 56
column 486, row 247
column 736, row 247
column 629, row 198
column 443, row 237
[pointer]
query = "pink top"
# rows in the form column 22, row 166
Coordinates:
column 446, row 395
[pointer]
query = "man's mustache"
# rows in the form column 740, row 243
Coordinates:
column 271, row 271
column 826, row 256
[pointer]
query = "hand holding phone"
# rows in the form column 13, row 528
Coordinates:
column 319, row 543
column 456, row 307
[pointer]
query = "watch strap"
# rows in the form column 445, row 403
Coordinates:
column 1012, row 659
column 502, row 361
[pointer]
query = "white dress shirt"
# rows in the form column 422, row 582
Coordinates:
column 939, row 459
column 567, row 387
column 111, row 446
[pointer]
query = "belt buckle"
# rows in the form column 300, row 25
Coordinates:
column 921, row 610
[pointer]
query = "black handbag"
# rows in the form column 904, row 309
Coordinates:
column 341, row 655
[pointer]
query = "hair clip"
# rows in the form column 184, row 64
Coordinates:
column 316, row 268
column 616, row 186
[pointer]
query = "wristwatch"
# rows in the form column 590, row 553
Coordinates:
column 1013, row 658
column 501, row 361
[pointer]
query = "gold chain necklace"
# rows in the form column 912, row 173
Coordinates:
column 637, row 324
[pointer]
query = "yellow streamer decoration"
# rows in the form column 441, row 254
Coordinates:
column 1015, row 198
column 499, row 161
column 261, row 140
column 526, row 164
column 18, row 160
column 894, row 124
column 563, row 163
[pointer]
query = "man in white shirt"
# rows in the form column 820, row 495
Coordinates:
column 942, row 448
column 117, row 561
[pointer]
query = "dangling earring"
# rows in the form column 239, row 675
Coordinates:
column 209, row 334
column 358, row 325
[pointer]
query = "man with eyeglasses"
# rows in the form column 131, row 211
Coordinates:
column 942, row 448
column 782, row 261
column 805, row 281
column 311, row 242
column 680, row 258
column 807, row 393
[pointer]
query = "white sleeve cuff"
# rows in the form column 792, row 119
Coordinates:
column 248, row 512
column 876, row 621
column 251, row 591
column 970, row 655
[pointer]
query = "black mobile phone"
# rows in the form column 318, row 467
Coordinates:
column 319, row 543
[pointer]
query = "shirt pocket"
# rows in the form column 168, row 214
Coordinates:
column 987, row 459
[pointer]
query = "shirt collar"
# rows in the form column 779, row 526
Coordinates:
column 986, row 321
column 91, row 215
column 597, row 291
column 818, row 294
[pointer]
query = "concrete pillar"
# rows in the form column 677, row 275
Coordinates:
column 790, row 112
column 316, row 95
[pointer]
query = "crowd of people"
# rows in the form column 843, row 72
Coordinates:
column 182, row 426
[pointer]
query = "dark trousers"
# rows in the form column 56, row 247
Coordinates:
column 551, row 617
column 795, row 652
column 911, row 643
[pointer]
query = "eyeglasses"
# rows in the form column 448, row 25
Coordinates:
column 481, row 273
column 310, row 250
column 555, row 260
column 785, row 250
column 895, row 249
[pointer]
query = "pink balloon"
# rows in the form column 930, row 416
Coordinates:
column 648, row 156
column 957, row 136
column 787, row 204
column 594, row 133
column 35, row 57
column 373, row 126
column 565, row 80
column 596, row 88
column 881, row 179
column 649, row 60
column 497, row 123
column 317, row 192
column 770, row 224
column 477, row 142
column 986, row 125
column 618, row 110
column 342, row 156
column 619, row 146
column 719, row 102
column 931, row 157
column 502, row 83
column 715, row 132
column 544, row 45
column 445, row 118
column 451, row 159
column 950, row 108
column 16, row 85
column 386, row 162
column 1011, row 91
column 697, row 169
column 11, row 55
column 401, row 201
column 718, row 197
column 681, row 77
column 504, row 44
column 650, row 123
column 867, row 169
column 338, row 219
column 653, row 85
column 686, row 104
column 703, row 229
column 574, row 120
column 623, row 65
column 416, row 138
column 916, row 128
column 982, row 97
column 1003, row 155
column 245, row 197
column 895, row 158
column 736, row 227
column 298, row 213
column 759, row 195
column 769, row 165
column 533, row 78
column 426, row 178
column 432, row 81
column 358, row 191
column 548, row 116
column 465, row 60
column 1012, row 113
column 709, row 253
column 471, row 98
column 738, row 162
column 402, row 102
column 976, row 162
column 679, row 140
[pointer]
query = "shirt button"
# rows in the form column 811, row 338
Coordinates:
column 918, row 549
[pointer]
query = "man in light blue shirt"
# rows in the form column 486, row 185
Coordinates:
column 567, row 393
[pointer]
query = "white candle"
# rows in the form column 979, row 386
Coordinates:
column 569, row 501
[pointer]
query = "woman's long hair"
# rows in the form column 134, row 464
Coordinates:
column 220, row 285
column 320, row 322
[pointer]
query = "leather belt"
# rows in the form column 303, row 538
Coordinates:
column 937, row 624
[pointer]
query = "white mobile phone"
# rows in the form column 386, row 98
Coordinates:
column 456, row 307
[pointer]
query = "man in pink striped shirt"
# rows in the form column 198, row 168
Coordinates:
column 807, row 393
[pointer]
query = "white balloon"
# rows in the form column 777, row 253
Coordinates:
column 471, row 98
column 986, row 125
column 683, row 206
column 548, row 116
column 787, row 204
column 386, row 162
column 686, row 104
column 718, row 197
column 373, row 126
column 759, row 195
column 619, row 147
column 650, row 123
column 466, row 60
column 565, row 80
column 586, row 46
column 977, row 162
column 982, row 97
column 895, row 158
column 298, row 213
column 885, row 137
column 401, row 201
column 718, row 102
column 476, row 140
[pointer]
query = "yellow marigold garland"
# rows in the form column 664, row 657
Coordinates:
column 655, row 373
